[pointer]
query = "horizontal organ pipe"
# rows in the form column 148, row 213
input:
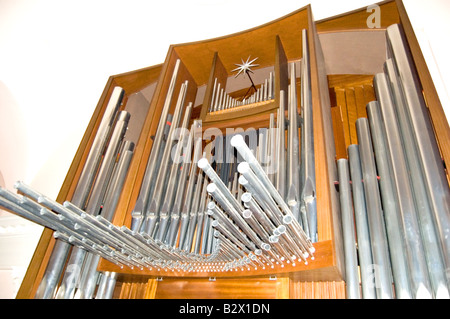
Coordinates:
column 172, row 226
column 60, row 251
column 259, row 244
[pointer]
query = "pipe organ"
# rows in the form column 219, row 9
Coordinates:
column 317, row 171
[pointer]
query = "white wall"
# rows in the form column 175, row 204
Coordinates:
column 56, row 56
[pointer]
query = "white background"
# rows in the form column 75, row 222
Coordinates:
column 56, row 56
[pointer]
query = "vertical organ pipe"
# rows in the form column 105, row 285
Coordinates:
column 154, row 204
column 60, row 251
column 351, row 261
column 401, row 265
column 382, row 270
column 422, row 199
column 153, row 160
column 281, row 170
column 308, row 173
column 170, row 191
column 431, row 161
column 426, row 240
column 293, row 191
column 77, row 256
column 361, row 223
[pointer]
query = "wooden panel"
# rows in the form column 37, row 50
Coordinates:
column 136, row 290
column 245, row 111
column 328, row 208
column 343, row 80
column 135, row 81
column 318, row 290
column 342, row 103
column 360, row 101
column 324, row 212
column 218, row 72
column 357, row 19
column 281, row 73
column 143, row 148
column 352, row 93
column 338, row 128
column 223, row 288
column 231, row 288
column 369, row 93
column 352, row 114
column 257, row 41
column 150, row 292
column 323, row 266
column 440, row 121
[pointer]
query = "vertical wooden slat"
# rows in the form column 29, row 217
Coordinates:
column 318, row 290
column 151, row 286
column 338, row 127
column 125, row 291
column 360, row 101
column 369, row 93
column 352, row 113
column 281, row 72
column 282, row 288
column 219, row 72
column 342, row 102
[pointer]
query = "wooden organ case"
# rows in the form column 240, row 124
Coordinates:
column 345, row 54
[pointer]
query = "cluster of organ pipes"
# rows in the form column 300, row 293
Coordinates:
column 247, row 201
column 398, row 202
column 252, row 212
column 222, row 101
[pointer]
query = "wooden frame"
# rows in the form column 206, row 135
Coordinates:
column 277, row 43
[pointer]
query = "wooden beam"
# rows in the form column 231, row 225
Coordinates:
column 437, row 114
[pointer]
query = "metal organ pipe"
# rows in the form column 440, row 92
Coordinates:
column 392, row 211
column 424, row 137
column 351, row 262
column 361, row 224
column 374, row 212
column 423, row 236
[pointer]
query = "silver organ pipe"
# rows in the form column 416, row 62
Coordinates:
column 197, row 212
column 351, row 262
column 391, row 207
column 206, row 217
column 406, row 192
